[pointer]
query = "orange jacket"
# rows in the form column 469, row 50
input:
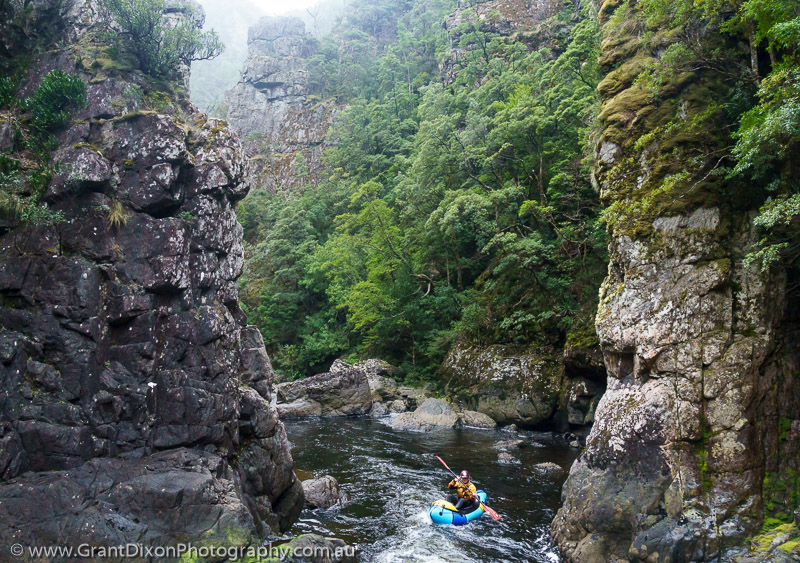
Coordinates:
column 467, row 491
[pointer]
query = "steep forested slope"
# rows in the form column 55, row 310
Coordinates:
column 458, row 204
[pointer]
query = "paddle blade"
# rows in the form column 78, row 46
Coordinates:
column 491, row 512
column 443, row 463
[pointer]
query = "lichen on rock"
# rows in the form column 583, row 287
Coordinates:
column 699, row 347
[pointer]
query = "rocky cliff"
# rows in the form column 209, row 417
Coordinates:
column 531, row 387
column 135, row 399
column 272, row 108
column 696, row 440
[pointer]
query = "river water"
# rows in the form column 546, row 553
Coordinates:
column 391, row 478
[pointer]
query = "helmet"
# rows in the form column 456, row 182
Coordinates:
column 465, row 476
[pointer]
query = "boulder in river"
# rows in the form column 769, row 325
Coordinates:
column 431, row 414
column 549, row 467
column 476, row 419
column 506, row 445
column 378, row 410
column 323, row 492
column 341, row 393
column 507, row 459
column 438, row 413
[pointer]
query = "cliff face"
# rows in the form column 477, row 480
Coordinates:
column 135, row 399
column 283, row 125
column 696, row 439
column 529, row 387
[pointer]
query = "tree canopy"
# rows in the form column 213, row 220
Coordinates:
column 161, row 44
column 458, row 204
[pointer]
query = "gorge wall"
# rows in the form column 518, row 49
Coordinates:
column 696, row 440
column 135, row 398
column 282, row 124
column 530, row 387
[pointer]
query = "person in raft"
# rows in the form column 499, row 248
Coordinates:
column 466, row 497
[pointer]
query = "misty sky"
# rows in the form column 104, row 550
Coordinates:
column 275, row 7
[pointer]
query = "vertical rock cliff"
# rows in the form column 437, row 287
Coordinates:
column 695, row 441
column 272, row 108
column 134, row 399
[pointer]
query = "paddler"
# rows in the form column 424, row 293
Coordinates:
column 466, row 493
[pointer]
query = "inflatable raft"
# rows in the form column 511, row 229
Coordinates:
column 442, row 512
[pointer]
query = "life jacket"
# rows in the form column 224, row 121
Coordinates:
column 461, row 489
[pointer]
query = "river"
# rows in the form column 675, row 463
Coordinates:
column 391, row 478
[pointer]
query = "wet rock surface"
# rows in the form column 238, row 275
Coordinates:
column 507, row 459
column 322, row 492
column 549, row 467
column 130, row 379
column 343, row 392
column 508, row 445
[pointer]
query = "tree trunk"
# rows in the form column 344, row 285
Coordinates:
column 753, row 54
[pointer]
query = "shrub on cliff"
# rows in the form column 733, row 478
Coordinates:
column 161, row 44
column 22, row 181
column 56, row 97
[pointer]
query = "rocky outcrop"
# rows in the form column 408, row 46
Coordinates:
column 437, row 413
column 387, row 394
column 696, row 439
column 508, row 387
column 344, row 392
column 159, row 499
column 527, row 387
column 282, row 123
column 323, row 492
column 313, row 548
column 135, row 399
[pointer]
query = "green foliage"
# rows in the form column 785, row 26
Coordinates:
column 22, row 185
column 21, row 191
column 159, row 44
column 453, row 210
column 749, row 49
column 8, row 90
column 58, row 95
